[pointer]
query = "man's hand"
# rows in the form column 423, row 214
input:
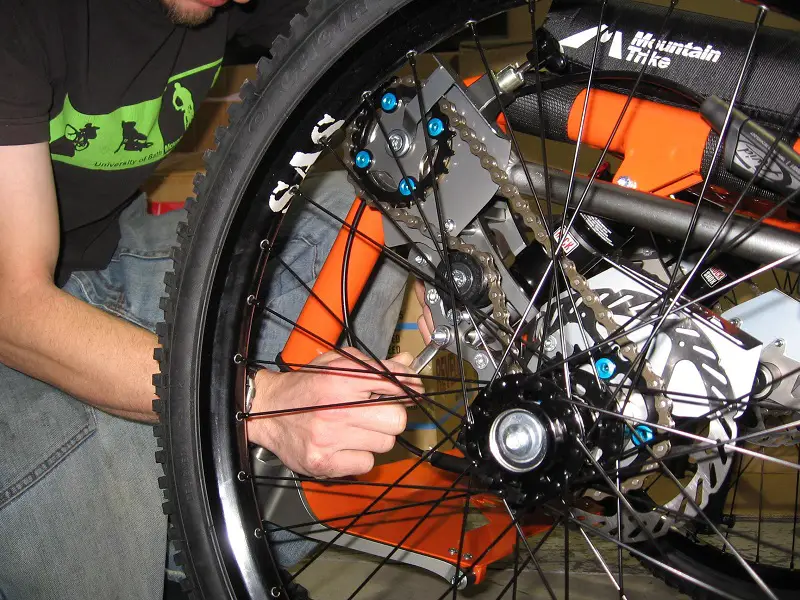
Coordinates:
column 330, row 442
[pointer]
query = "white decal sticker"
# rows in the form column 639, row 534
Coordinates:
column 644, row 47
column 577, row 40
column 318, row 134
column 568, row 244
column 280, row 197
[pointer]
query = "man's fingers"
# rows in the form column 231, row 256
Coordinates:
column 349, row 462
column 386, row 418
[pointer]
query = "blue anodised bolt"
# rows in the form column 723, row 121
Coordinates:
column 389, row 102
column 605, row 368
column 435, row 126
column 644, row 435
column 407, row 186
column 363, row 159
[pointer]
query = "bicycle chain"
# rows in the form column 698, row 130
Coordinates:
column 577, row 282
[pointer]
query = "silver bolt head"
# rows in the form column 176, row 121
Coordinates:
column 627, row 182
column 779, row 343
column 418, row 259
column 481, row 360
column 736, row 322
column 550, row 344
column 432, row 296
column 453, row 551
column 441, row 335
column 449, row 225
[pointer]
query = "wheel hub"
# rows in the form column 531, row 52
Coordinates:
column 523, row 438
column 518, row 440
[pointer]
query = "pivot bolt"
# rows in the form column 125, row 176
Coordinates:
column 399, row 143
column 389, row 102
column 441, row 335
column 363, row 159
column 605, row 368
column 435, row 127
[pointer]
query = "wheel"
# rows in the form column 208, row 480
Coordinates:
column 606, row 401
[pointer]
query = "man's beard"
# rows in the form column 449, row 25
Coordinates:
column 180, row 15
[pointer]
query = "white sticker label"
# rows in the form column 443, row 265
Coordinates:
column 643, row 47
column 568, row 244
column 713, row 276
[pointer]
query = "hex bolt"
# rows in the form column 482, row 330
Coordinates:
column 627, row 182
column 550, row 344
column 449, row 225
column 418, row 259
column 736, row 322
column 453, row 551
column 779, row 343
column 432, row 296
column 481, row 360
column 468, row 556
column 441, row 335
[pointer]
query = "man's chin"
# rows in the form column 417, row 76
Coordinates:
column 187, row 13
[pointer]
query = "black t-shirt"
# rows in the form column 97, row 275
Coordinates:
column 112, row 85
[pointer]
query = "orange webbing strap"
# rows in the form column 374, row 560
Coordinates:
column 322, row 313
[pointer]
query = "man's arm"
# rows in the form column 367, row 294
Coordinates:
column 45, row 332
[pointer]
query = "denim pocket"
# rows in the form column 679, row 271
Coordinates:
column 39, row 427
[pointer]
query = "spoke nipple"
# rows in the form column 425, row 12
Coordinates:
column 275, row 592
column 240, row 416
column 265, row 245
column 251, row 300
column 238, row 358
column 241, row 476
column 258, row 533
column 411, row 54
column 365, row 96
column 471, row 23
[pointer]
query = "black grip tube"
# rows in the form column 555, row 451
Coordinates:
column 523, row 113
column 746, row 147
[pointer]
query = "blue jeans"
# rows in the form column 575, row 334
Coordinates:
column 80, row 505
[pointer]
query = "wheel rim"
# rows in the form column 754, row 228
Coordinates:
column 226, row 439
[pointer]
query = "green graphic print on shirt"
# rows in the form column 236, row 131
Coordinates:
column 130, row 136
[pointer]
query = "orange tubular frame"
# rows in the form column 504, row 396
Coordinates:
column 662, row 145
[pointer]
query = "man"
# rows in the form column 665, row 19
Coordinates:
column 94, row 93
